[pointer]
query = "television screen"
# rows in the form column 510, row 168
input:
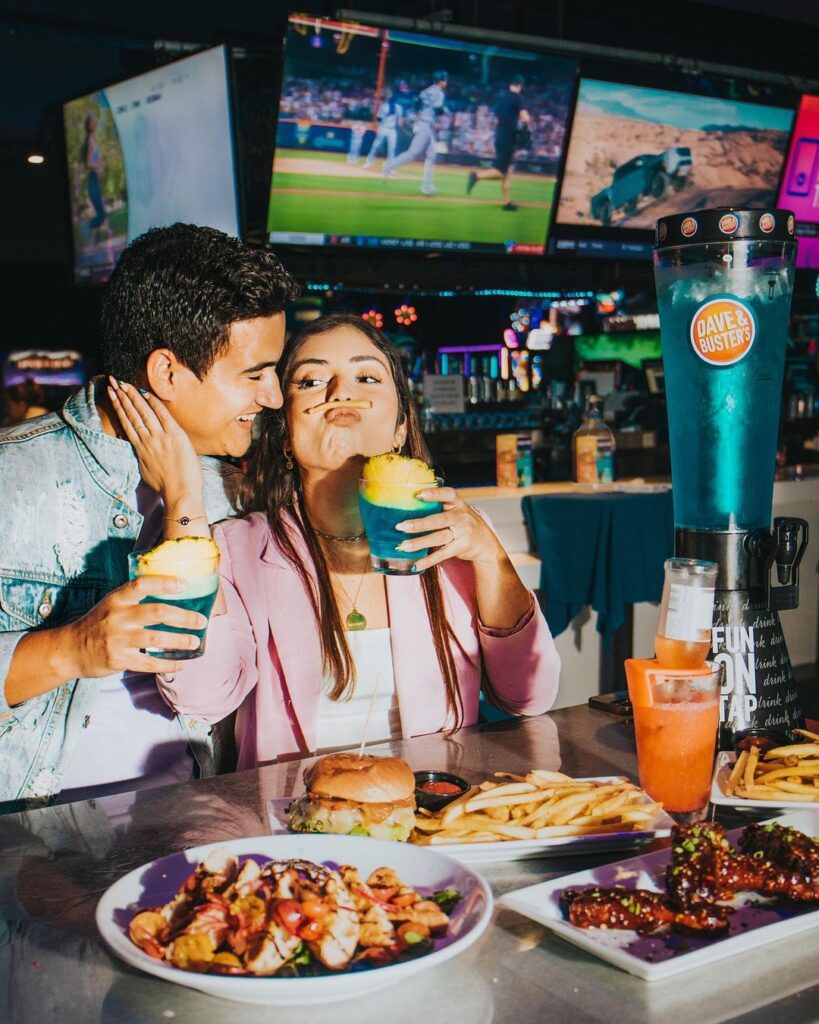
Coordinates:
column 400, row 140
column 800, row 182
column 636, row 154
column 147, row 152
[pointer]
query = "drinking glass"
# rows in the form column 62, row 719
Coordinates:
column 383, row 506
column 676, row 718
column 202, row 575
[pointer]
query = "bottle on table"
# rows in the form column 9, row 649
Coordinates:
column 593, row 447
column 683, row 639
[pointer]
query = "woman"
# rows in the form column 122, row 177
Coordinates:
column 95, row 167
column 296, row 570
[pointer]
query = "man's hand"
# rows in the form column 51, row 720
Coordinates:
column 112, row 636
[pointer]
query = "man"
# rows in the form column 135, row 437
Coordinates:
column 390, row 119
column 430, row 105
column 197, row 319
column 510, row 113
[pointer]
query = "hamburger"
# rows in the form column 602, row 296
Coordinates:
column 359, row 796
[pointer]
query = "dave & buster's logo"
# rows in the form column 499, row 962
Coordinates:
column 723, row 331
column 688, row 228
column 790, row 224
column 728, row 224
column 767, row 222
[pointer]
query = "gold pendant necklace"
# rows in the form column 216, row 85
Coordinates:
column 355, row 620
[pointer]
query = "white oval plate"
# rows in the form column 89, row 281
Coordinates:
column 427, row 870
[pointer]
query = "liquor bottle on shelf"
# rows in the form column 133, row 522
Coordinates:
column 593, row 447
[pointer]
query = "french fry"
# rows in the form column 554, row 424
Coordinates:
column 474, row 837
column 539, row 776
column 750, row 767
column 766, row 793
column 484, row 801
column 556, row 831
column 807, row 734
column 799, row 750
column 788, row 773
column 456, row 808
column 497, row 827
column 737, row 772
column 808, row 792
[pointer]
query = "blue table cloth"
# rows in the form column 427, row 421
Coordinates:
column 605, row 550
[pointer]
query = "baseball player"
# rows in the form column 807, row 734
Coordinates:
column 422, row 147
column 390, row 118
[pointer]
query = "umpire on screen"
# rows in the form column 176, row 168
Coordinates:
column 511, row 133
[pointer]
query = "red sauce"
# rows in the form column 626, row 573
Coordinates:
column 440, row 788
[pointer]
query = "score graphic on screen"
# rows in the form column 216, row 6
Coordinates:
column 395, row 139
column 800, row 183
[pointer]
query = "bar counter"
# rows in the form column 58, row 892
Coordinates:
column 56, row 862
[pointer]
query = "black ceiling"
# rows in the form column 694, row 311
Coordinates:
column 51, row 50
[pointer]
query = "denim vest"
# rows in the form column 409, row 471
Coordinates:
column 68, row 520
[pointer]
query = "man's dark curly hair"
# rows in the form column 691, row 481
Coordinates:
column 180, row 288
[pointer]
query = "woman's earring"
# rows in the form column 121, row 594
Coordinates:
column 288, row 461
column 396, row 448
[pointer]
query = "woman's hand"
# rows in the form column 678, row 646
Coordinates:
column 167, row 461
column 456, row 532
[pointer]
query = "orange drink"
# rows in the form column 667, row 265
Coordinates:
column 676, row 718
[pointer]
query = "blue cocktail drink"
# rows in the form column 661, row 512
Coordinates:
column 724, row 319
column 388, row 495
column 195, row 559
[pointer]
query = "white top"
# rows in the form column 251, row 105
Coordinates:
column 341, row 724
column 131, row 738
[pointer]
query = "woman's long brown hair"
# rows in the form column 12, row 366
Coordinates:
column 274, row 490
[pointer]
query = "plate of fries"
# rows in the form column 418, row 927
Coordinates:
column 539, row 814
column 782, row 777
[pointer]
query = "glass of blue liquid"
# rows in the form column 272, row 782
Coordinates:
column 202, row 575
column 386, row 500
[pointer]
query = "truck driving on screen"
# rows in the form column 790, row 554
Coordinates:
column 650, row 174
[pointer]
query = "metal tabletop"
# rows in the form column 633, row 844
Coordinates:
column 55, row 863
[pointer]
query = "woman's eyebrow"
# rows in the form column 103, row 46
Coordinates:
column 367, row 359
column 315, row 361
column 308, row 362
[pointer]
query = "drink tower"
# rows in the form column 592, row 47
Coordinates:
column 724, row 280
